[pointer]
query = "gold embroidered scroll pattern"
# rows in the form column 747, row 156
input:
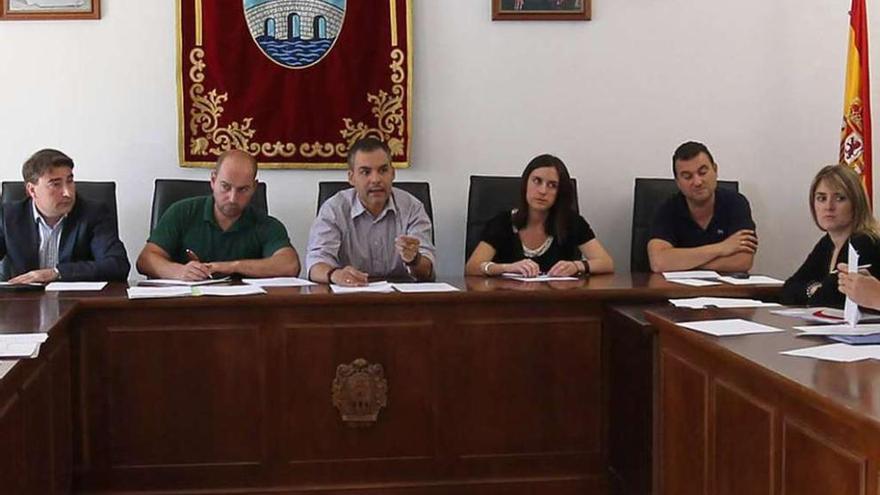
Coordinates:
column 209, row 138
column 204, row 124
column 388, row 110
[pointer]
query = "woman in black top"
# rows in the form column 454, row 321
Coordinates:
column 840, row 208
column 543, row 235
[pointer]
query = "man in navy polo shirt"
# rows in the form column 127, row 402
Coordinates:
column 701, row 226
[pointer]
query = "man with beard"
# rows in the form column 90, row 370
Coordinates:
column 701, row 226
column 371, row 229
column 55, row 235
column 221, row 234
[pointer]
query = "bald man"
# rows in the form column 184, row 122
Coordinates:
column 221, row 234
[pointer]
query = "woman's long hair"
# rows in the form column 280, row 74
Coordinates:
column 843, row 178
column 560, row 216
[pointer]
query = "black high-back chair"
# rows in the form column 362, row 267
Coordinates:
column 489, row 195
column 421, row 190
column 100, row 192
column 648, row 195
column 169, row 191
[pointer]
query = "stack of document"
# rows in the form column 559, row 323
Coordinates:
column 425, row 287
column 165, row 292
column 539, row 278
column 372, row 287
column 21, row 345
column 158, row 292
column 75, row 286
column 700, row 278
column 834, row 330
column 694, row 282
column 168, row 282
column 862, row 334
column 820, row 315
column 719, row 302
column 385, row 287
column 690, row 274
column 278, row 282
column 752, row 280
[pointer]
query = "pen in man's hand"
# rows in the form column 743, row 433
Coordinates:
column 192, row 256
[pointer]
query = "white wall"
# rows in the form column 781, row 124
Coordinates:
column 761, row 82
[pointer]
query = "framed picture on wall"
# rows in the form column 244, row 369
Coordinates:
column 541, row 10
column 49, row 9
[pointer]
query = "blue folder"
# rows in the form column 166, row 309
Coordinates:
column 872, row 339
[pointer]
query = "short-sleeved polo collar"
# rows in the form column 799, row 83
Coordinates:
column 246, row 220
column 684, row 211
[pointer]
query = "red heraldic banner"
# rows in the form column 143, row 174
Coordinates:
column 293, row 82
column 855, row 138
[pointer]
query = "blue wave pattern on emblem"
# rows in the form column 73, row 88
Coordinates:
column 295, row 33
column 294, row 53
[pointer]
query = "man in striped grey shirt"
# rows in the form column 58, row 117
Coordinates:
column 372, row 230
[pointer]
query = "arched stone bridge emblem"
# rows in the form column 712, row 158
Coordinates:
column 295, row 33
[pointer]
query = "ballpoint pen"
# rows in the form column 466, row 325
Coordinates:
column 192, row 255
column 832, row 272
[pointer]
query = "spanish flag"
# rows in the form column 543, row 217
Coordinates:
column 855, row 136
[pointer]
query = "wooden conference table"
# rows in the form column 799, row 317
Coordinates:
column 735, row 417
column 499, row 388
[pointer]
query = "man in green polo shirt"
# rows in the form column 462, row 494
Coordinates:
column 220, row 234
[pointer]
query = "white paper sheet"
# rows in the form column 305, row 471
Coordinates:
column 279, row 282
column 850, row 309
column 719, row 302
column 842, row 353
column 21, row 345
column 844, row 329
column 691, row 274
column 166, row 282
column 425, row 287
column 158, row 292
column 75, row 286
column 752, row 280
column 373, row 287
column 725, row 328
column 693, row 282
column 539, row 278
column 228, row 290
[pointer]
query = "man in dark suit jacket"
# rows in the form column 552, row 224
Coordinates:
column 55, row 235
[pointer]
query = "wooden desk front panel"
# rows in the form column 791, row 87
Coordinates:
column 727, row 425
column 207, row 396
column 35, row 423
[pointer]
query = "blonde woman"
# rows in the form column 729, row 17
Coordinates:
column 840, row 208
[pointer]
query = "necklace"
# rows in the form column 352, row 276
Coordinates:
column 534, row 253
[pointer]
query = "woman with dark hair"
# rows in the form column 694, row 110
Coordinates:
column 543, row 235
column 840, row 208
